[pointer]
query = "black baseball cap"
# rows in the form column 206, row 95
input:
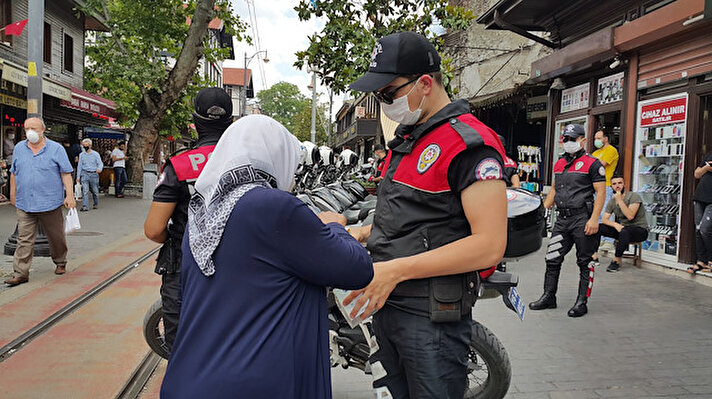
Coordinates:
column 574, row 130
column 398, row 54
column 213, row 103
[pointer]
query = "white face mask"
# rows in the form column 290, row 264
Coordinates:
column 571, row 147
column 32, row 136
column 11, row 136
column 399, row 110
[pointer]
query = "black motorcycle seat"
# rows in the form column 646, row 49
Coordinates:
column 501, row 279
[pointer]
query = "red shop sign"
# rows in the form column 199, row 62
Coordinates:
column 664, row 112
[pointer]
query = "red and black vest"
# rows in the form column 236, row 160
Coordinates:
column 573, row 179
column 188, row 165
column 416, row 210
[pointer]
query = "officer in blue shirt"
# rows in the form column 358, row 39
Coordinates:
column 88, row 169
column 40, row 183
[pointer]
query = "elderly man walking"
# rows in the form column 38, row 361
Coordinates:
column 88, row 170
column 40, row 183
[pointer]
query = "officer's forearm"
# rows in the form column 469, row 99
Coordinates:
column 549, row 201
column 600, row 199
column 475, row 252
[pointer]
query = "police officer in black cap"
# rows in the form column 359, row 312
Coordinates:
column 578, row 178
column 168, row 214
column 441, row 216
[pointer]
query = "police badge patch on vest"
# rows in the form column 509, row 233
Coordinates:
column 428, row 157
column 602, row 171
column 488, row 169
column 579, row 165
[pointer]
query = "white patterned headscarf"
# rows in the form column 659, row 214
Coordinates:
column 255, row 151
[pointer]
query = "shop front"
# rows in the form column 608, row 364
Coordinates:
column 519, row 115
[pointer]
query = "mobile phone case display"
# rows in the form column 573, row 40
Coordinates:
column 661, row 147
column 529, row 162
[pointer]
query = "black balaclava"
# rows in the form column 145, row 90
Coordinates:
column 213, row 114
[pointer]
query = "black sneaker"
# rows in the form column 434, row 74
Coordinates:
column 84, row 209
column 613, row 267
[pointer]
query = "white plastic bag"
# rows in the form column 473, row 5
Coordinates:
column 72, row 222
column 78, row 191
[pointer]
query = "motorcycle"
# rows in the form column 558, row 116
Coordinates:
column 489, row 369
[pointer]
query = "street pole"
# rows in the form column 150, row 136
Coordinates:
column 331, row 104
column 35, row 47
column 35, row 40
column 313, row 120
column 244, row 89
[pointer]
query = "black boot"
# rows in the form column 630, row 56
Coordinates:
column 580, row 308
column 547, row 301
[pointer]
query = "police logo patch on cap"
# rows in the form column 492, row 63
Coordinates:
column 488, row 169
column 428, row 157
column 378, row 49
column 569, row 128
column 602, row 171
column 578, row 165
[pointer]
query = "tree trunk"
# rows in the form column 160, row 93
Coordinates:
column 152, row 107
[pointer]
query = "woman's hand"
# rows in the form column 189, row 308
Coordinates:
column 385, row 278
column 332, row 217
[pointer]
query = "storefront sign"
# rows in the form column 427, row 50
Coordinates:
column 86, row 104
column 610, row 89
column 663, row 112
column 536, row 107
column 575, row 98
column 13, row 94
column 15, row 75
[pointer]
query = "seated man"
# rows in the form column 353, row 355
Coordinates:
column 630, row 225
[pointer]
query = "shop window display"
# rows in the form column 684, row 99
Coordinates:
column 660, row 184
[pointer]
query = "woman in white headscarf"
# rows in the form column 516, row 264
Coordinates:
column 253, row 321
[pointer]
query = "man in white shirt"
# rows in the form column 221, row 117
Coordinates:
column 118, row 156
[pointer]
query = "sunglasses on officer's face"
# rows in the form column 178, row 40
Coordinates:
column 386, row 97
column 566, row 139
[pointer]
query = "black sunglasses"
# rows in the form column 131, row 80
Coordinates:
column 568, row 138
column 386, row 97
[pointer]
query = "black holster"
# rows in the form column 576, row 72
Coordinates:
column 169, row 257
column 452, row 297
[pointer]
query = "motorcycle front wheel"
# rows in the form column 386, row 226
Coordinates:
column 153, row 331
column 488, row 370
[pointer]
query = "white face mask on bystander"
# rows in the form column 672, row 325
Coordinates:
column 33, row 137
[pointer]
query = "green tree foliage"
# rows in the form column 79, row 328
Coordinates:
column 341, row 52
column 285, row 103
column 147, row 63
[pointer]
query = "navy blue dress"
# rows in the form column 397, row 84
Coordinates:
column 258, row 327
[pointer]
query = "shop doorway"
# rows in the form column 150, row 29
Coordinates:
column 610, row 123
column 706, row 125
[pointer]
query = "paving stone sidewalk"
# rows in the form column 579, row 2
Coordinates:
column 647, row 335
column 115, row 219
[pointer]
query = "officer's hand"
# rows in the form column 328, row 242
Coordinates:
column 332, row 217
column 591, row 227
column 385, row 279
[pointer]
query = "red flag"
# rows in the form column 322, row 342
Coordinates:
column 15, row 28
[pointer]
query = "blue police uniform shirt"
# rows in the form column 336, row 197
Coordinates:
column 89, row 162
column 38, row 176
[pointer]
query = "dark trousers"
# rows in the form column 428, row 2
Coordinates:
column 170, row 296
column 120, row 179
column 627, row 235
column 569, row 231
column 703, row 231
column 422, row 359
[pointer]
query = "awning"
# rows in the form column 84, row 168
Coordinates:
column 493, row 98
column 97, row 106
column 101, row 133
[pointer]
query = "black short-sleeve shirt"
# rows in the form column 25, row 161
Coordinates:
column 703, row 193
column 472, row 165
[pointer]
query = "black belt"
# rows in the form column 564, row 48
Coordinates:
column 413, row 288
column 568, row 212
column 86, row 171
